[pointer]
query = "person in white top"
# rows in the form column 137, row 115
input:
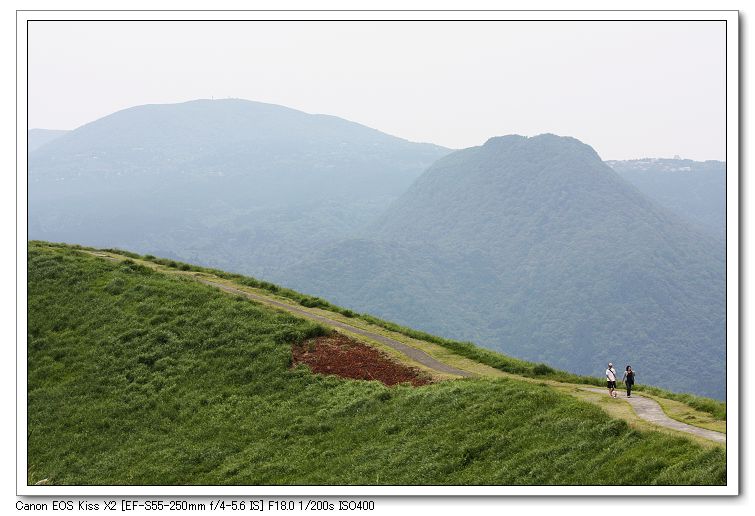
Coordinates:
column 611, row 377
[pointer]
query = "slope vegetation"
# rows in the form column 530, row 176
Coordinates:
column 136, row 377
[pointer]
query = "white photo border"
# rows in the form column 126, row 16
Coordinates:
column 731, row 18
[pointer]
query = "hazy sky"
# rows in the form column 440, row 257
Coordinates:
column 629, row 89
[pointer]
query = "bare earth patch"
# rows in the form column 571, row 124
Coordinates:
column 339, row 355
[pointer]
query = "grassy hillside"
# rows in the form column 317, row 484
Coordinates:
column 714, row 408
column 137, row 377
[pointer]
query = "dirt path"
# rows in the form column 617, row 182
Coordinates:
column 645, row 408
column 413, row 353
column 649, row 410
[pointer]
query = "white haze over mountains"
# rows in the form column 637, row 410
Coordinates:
column 631, row 89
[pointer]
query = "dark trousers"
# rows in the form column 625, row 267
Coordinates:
column 629, row 389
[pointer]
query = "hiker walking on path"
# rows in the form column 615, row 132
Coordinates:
column 611, row 377
column 629, row 380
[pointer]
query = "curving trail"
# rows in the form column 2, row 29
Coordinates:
column 414, row 353
column 645, row 408
column 649, row 410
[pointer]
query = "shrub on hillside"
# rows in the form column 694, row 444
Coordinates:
column 542, row 370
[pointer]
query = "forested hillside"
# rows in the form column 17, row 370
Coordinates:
column 534, row 247
column 695, row 190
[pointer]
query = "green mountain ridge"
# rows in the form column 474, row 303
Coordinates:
column 136, row 377
column 544, row 253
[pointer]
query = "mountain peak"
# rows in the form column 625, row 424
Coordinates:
column 541, row 144
column 509, row 139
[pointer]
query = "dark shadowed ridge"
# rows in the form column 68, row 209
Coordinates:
column 534, row 247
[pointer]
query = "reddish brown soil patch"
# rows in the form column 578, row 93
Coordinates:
column 339, row 355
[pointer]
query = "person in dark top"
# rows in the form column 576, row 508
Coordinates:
column 629, row 380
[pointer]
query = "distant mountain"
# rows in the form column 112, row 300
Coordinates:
column 230, row 183
column 695, row 190
column 38, row 137
column 535, row 247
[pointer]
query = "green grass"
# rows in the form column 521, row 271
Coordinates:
column 138, row 377
column 716, row 408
